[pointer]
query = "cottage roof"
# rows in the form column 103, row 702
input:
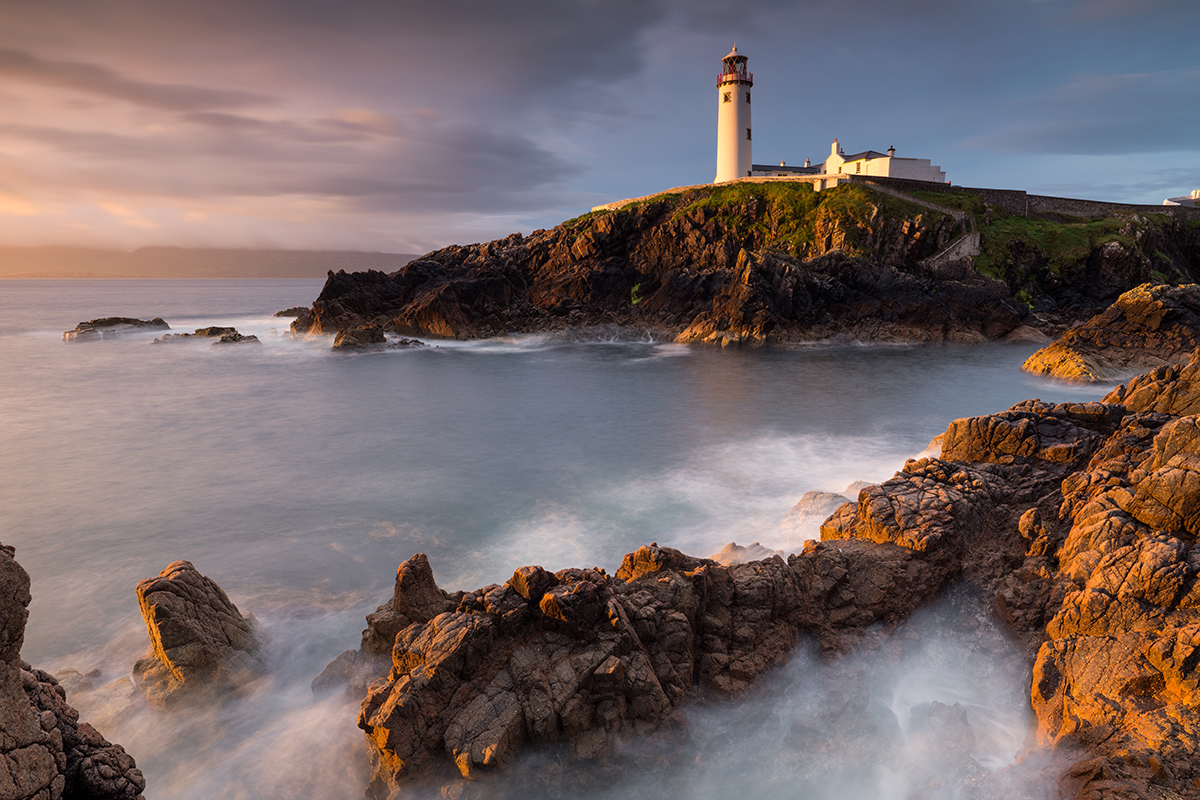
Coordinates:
column 867, row 154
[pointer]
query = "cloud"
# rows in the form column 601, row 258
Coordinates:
column 99, row 80
column 1102, row 115
column 359, row 160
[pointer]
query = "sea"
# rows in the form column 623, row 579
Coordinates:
column 299, row 479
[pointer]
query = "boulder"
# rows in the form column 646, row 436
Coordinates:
column 202, row 647
column 1147, row 327
column 46, row 753
column 111, row 327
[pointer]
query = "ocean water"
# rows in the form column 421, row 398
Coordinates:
column 299, row 479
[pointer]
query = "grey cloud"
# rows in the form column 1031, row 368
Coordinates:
column 99, row 80
column 1102, row 115
column 421, row 165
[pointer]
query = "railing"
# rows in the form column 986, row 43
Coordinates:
column 735, row 76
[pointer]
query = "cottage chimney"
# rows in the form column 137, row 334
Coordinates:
column 892, row 151
column 807, row 163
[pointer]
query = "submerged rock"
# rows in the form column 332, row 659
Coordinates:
column 1147, row 327
column 236, row 338
column 211, row 332
column 201, row 645
column 111, row 327
column 46, row 753
column 294, row 311
column 734, row 553
column 369, row 337
column 804, row 520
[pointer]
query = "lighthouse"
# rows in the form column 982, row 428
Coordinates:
column 733, row 118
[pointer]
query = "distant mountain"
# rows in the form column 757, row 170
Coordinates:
column 184, row 262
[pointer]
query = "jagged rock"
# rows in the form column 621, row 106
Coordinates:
column 594, row 660
column 1090, row 513
column 1147, row 327
column 110, row 327
column 805, row 518
column 294, row 311
column 201, row 645
column 415, row 598
column 46, row 753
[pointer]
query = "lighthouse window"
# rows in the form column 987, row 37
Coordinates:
column 747, row 134
column 728, row 97
column 747, row 98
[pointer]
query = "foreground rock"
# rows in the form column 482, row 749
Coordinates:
column 46, row 753
column 1079, row 523
column 111, row 327
column 201, row 645
column 593, row 660
column 1148, row 327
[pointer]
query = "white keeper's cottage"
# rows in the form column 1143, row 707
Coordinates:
column 735, row 140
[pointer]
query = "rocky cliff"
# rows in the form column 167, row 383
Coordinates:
column 1078, row 522
column 46, row 753
column 768, row 262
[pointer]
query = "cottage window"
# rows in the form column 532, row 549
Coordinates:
column 858, row 166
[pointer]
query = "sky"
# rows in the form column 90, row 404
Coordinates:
column 407, row 125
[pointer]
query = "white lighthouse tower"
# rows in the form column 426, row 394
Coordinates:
column 733, row 118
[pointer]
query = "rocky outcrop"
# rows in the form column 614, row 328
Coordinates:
column 1147, row 327
column 201, row 646
column 46, row 753
column 592, row 660
column 1078, row 522
column 764, row 265
column 294, row 311
column 111, row 327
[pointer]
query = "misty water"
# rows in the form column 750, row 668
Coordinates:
column 299, row 479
